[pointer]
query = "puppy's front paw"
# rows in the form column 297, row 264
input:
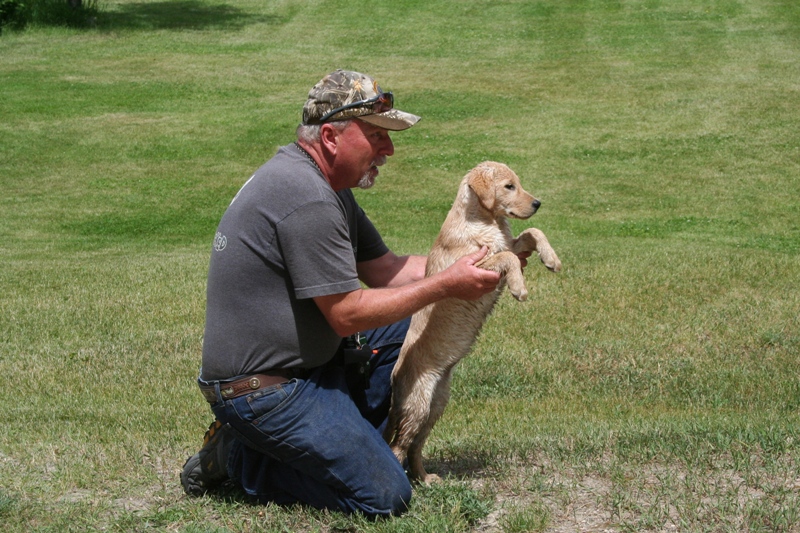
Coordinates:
column 431, row 479
column 521, row 295
column 550, row 259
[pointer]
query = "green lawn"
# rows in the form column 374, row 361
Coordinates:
column 654, row 384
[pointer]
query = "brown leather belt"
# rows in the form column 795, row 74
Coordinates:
column 240, row 387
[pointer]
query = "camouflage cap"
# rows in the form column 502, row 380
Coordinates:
column 344, row 88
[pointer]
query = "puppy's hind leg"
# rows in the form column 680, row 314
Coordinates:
column 410, row 409
column 441, row 397
column 390, row 431
column 533, row 240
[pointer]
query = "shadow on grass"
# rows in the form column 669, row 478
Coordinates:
column 179, row 15
column 464, row 467
column 470, row 467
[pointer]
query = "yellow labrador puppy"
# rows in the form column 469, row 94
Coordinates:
column 443, row 333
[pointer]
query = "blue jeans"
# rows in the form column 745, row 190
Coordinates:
column 316, row 441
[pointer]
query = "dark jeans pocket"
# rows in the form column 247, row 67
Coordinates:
column 263, row 402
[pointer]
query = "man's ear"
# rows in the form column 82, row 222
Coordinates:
column 329, row 138
column 481, row 181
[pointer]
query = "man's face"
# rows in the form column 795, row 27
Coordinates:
column 362, row 148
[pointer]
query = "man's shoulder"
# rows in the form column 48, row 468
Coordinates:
column 288, row 179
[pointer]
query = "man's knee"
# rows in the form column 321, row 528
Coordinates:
column 402, row 498
column 390, row 500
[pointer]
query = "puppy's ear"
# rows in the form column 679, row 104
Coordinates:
column 481, row 181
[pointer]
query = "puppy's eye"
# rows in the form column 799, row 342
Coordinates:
column 510, row 186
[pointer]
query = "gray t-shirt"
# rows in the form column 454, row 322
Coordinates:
column 286, row 238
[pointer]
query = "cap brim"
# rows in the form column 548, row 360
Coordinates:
column 393, row 120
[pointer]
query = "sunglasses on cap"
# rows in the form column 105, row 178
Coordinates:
column 379, row 103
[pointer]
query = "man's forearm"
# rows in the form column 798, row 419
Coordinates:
column 371, row 308
column 412, row 269
column 390, row 270
column 365, row 309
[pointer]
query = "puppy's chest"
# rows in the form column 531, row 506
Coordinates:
column 495, row 238
column 465, row 239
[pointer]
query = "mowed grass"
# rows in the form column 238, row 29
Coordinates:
column 654, row 384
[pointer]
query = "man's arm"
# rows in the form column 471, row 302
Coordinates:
column 390, row 270
column 364, row 309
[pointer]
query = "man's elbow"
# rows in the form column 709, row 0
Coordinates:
column 344, row 312
column 343, row 328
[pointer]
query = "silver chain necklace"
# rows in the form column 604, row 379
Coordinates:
column 303, row 151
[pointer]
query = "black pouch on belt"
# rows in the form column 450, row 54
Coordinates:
column 356, row 358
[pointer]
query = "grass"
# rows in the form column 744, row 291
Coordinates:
column 652, row 385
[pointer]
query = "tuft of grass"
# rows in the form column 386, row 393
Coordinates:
column 8, row 505
column 528, row 519
column 449, row 507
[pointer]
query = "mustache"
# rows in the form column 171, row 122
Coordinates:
column 380, row 160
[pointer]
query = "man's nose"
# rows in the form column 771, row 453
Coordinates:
column 388, row 148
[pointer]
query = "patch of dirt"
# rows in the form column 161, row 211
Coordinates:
column 575, row 507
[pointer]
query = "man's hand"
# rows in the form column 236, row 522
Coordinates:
column 467, row 281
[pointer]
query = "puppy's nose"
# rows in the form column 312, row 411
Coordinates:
column 536, row 203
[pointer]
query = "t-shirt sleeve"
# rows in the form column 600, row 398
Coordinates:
column 367, row 242
column 370, row 242
column 317, row 251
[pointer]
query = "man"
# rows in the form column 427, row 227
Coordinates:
column 297, row 354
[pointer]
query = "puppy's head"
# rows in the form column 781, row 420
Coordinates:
column 499, row 191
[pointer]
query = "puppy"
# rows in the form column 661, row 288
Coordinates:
column 442, row 333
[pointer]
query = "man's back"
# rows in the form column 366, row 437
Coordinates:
column 283, row 239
